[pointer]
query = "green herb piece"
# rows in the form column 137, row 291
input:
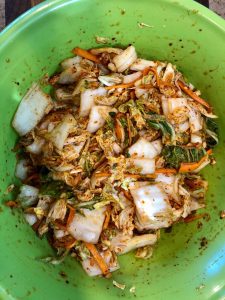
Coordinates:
column 211, row 133
column 123, row 108
column 54, row 188
column 175, row 155
column 159, row 123
column 112, row 114
column 140, row 106
column 88, row 166
column 89, row 204
column 126, row 153
column 123, row 122
column 109, row 124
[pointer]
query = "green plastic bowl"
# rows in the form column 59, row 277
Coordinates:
column 182, row 32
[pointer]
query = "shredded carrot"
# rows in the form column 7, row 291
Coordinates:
column 209, row 152
column 119, row 131
column 145, row 86
column 146, row 71
column 156, row 75
column 71, row 215
column 193, row 95
column 98, row 258
column 127, row 194
column 85, row 54
column 59, row 225
column 184, row 168
column 129, row 129
column 132, row 94
column 11, row 203
column 138, row 176
column 107, row 219
column 102, row 174
column 194, row 217
column 101, row 163
column 70, row 244
column 189, row 167
column 165, row 171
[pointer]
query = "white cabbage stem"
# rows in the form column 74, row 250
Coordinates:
column 143, row 149
column 87, row 100
column 34, row 105
column 141, row 64
column 124, row 60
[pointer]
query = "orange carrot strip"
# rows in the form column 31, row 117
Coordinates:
column 145, row 86
column 129, row 129
column 71, row 215
column 193, row 95
column 70, row 244
column 127, row 194
column 132, row 94
column 85, row 54
column 194, row 217
column 156, row 75
column 59, row 225
column 107, row 219
column 146, row 71
column 137, row 176
column 165, row 171
column 209, row 152
column 102, row 174
column 119, row 131
column 189, row 167
column 98, row 258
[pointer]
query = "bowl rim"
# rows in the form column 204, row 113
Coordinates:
column 50, row 5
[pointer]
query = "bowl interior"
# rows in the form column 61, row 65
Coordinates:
column 182, row 32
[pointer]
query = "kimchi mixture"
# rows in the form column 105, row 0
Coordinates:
column 111, row 156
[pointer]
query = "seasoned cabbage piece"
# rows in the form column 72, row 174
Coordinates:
column 152, row 207
column 98, row 117
column 87, row 100
column 125, row 59
column 34, row 105
column 147, row 166
column 122, row 244
column 87, row 226
column 60, row 133
column 143, row 149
